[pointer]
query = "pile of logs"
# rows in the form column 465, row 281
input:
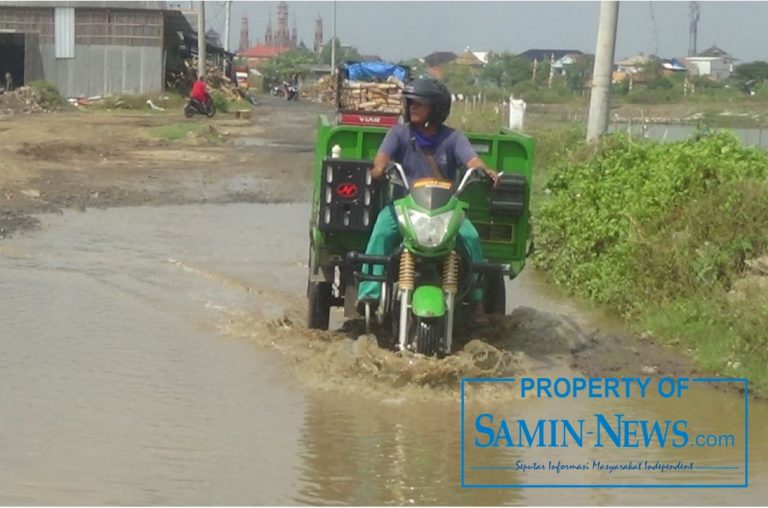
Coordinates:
column 214, row 78
column 378, row 97
column 321, row 91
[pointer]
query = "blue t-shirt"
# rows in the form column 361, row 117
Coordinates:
column 453, row 150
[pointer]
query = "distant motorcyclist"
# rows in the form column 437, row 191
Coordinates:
column 425, row 148
column 291, row 87
column 199, row 92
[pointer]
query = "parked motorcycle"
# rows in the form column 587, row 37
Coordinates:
column 194, row 107
column 427, row 281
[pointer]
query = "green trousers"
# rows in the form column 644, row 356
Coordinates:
column 385, row 238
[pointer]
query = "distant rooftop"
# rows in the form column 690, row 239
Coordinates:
column 262, row 51
column 546, row 54
column 714, row 52
column 439, row 58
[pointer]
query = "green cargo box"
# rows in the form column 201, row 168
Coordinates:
column 501, row 216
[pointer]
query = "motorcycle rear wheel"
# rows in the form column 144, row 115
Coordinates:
column 319, row 305
column 494, row 294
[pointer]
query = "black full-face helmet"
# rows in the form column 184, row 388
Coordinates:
column 428, row 91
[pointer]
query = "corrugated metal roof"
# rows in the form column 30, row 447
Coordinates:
column 130, row 5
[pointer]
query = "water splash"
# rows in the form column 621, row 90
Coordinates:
column 344, row 360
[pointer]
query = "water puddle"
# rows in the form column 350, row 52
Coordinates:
column 269, row 143
column 158, row 356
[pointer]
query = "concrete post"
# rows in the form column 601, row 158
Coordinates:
column 333, row 42
column 226, row 34
column 201, row 51
column 600, row 99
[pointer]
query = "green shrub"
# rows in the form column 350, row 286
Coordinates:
column 661, row 234
column 50, row 98
column 555, row 143
column 220, row 101
column 640, row 221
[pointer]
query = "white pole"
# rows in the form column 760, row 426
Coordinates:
column 333, row 41
column 201, row 38
column 226, row 32
column 227, row 15
column 600, row 99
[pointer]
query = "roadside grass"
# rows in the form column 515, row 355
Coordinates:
column 716, row 333
column 665, row 235
column 477, row 117
column 185, row 130
column 171, row 103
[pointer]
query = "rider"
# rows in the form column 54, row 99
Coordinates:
column 199, row 91
column 426, row 148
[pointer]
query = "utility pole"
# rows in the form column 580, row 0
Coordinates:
column 201, row 39
column 600, row 98
column 333, row 41
column 227, row 13
column 695, row 13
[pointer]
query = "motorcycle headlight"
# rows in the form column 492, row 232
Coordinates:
column 430, row 231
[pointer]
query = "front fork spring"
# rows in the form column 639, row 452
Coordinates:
column 407, row 278
column 451, row 273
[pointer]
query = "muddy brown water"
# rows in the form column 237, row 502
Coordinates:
column 156, row 356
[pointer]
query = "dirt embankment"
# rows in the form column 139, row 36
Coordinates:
column 49, row 162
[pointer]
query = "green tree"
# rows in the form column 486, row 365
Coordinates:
column 275, row 70
column 751, row 73
column 458, row 78
column 505, row 70
column 342, row 53
column 753, row 70
column 415, row 65
column 578, row 73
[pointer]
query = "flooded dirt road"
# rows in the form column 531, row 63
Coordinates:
column 156, row 355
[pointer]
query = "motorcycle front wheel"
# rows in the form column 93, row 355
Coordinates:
column 210, row 111
column 429, row 336
column 189, row 111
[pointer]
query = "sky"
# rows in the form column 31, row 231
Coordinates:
column 396, row 30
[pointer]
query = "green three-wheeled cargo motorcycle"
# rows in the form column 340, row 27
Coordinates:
column 426, row 282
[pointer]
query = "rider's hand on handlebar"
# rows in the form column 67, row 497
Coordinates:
column 493, row 175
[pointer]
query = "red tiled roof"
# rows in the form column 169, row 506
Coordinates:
column 263, row 52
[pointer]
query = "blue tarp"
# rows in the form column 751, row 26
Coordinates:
column 369, row 71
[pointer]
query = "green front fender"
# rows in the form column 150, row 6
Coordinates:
column 428, row 302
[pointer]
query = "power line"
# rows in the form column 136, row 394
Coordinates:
column 215, row 18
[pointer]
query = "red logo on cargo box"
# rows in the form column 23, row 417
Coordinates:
column 378, row 120
column 347, row 190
